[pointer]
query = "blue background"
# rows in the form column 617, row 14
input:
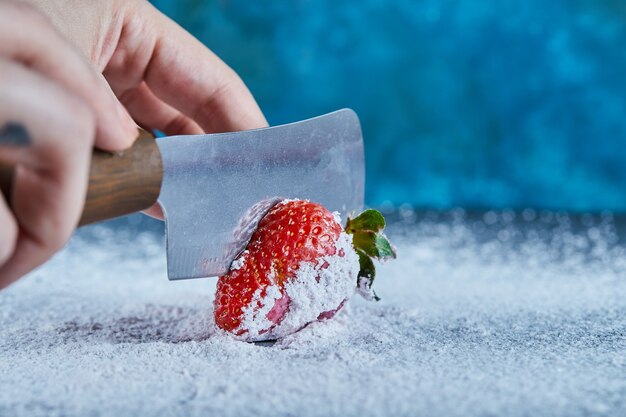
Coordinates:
column 470, row 103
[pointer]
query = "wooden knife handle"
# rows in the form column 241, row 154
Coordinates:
column 123, row 182
column 119, row 183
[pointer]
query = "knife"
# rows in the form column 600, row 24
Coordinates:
column 213, row 189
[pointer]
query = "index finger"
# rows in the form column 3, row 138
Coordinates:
column 182, row 72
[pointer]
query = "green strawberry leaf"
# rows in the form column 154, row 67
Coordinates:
column 375, row 245
column 370, row 220
column 385, row 248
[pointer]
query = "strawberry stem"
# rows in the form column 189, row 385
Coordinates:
column 370, row 243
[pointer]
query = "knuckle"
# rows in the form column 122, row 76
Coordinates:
column 228, row 82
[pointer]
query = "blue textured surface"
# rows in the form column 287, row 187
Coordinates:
column 464, row 102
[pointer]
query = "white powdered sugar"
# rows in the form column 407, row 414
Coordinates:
column 239, row 261
column 255, row 320
column 364, row 288
column 468, row 325
column 308, row 297
column 315, row 290
column 318, row 288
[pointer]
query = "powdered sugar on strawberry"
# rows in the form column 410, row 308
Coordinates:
column 238, row 263
column 256, row 316
column 317, row 290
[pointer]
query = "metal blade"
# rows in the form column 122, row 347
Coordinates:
column 217, row 187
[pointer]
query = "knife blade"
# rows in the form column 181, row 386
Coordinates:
column 213, row 189
column 216, row 188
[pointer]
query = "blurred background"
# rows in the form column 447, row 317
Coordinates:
column 472, row 103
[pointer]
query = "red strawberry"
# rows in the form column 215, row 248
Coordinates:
column 300, row 266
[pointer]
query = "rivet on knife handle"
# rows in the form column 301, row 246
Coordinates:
column 124, row 182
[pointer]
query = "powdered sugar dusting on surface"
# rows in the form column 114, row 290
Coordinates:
column 477, row 318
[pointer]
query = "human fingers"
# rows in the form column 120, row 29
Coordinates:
column 181, row 72
column 46, row 133
column 152, row 113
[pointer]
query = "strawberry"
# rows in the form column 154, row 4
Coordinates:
column 299, row 266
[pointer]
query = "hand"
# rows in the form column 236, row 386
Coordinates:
column 165, row 77
column 54, row 107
